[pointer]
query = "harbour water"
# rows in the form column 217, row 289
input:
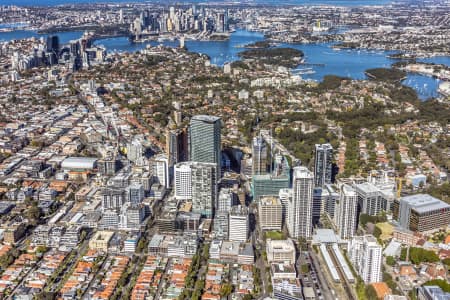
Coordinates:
column 64, row 37
column 348, row 63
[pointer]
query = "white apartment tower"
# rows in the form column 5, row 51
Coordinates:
column 299, row 213
column 183, row 181
column 285, row 196
column 366, row 256
column 196, row 181
column 270, row 213
column 135, row 150
column 225, row 200
column 347, row 216
column 238, row 222
column 161, row 170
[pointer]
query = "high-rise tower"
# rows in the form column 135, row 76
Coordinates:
column 347, row 217
column 205, row 141
column 323, row 164
column 299, row 211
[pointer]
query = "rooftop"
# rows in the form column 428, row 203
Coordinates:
column 230, row 248
column 367, row 187
column 79, row 162
column 320, row 192
column 281, row 245
column 424, row 203
column 324, row 147
column 103, row 236
column 205, row 118
column 269, row 200
column 326, row 236
column 302, row 172
column 348, row 190
column 283, row 268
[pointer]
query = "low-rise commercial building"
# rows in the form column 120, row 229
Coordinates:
column 100, row 241
column 280, row 251
column 421, row 212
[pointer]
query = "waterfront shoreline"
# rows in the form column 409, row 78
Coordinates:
column 319, row 55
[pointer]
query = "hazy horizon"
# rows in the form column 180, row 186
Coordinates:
column 268, row 2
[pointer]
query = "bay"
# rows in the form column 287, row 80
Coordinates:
column 347, row 63
column 64, row 37
column 321, row 59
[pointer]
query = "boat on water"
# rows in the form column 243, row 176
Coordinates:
column 304, row 71
column 165, row 39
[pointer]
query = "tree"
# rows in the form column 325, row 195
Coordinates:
column 377, row 232
column 226, row 290
column 33, row 214
column 45, row 296
column 41, row 249
column 305, row 268
column 412, row 294
column 83, row 235
column 443, row 284
column 141, row 245
column 390, row 282
column 390, row 260
column 446, row 262
column 419, row 255
column 371, row 293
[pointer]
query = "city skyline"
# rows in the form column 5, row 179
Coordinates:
column 252, row 150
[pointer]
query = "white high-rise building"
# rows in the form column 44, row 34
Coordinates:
column 285, row 196
column 347, row 216
column 299, row 213
column 172, row 13
column 270, row 213
column 183, row 181
column 370, row 199
column 135, row 150
column 366, row 256
column 225, row 200
column 196, row 181
column 238, row 222
column 161, row 170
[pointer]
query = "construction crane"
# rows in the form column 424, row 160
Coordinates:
column 399, row 182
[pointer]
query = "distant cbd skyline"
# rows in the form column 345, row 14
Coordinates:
column 270, row 2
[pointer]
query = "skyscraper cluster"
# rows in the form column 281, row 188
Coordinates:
column 181, row 20
column 196, row 180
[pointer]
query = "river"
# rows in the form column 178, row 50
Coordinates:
column 349, row 63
